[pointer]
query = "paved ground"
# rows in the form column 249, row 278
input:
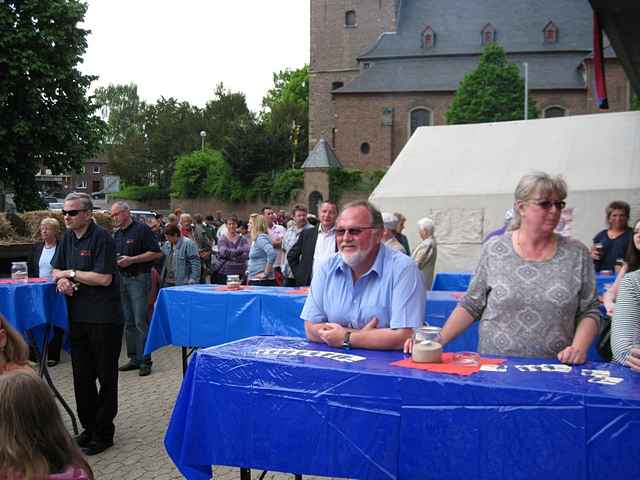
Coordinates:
column 145, row 406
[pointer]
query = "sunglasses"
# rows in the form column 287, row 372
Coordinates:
column 71, row 213
column 546, row 204
column 354, row 232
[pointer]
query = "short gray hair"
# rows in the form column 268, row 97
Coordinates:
column 426, row 223
column 122, row 204
column 84, row 198
column 537, row 183
column 374, row 213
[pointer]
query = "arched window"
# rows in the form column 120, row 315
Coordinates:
column 336, row 85
column 550, row 32
column 350, row 18
column 428, row 38
column 555, row 111
column 488, row 34
column 419, row 117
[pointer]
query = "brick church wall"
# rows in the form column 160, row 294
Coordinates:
column 334, row 51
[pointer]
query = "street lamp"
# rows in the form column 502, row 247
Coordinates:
column 202, row 135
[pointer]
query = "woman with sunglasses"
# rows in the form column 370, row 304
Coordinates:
column 533, row 290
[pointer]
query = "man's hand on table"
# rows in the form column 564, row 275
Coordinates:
column 333, row 333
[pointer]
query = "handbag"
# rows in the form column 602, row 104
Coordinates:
column 604, row 342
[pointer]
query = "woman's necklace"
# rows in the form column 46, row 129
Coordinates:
column 537, row 256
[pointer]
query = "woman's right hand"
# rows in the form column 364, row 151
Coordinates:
column 408, row 345
column 595, row 252
column 633, row 360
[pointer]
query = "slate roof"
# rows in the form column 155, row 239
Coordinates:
column 322, row 156
column 445, row 73
column 400, row 64
column 458, row 23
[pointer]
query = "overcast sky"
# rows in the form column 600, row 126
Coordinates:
column 184, row 48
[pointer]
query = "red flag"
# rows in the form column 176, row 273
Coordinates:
column 598, row 65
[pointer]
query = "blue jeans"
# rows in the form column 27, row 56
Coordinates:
column 134, row 292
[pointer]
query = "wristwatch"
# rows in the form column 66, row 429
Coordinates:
column 346, row 343
column 72, row 274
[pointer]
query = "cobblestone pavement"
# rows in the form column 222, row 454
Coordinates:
column 145, row 406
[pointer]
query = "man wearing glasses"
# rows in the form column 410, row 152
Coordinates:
column 366, row 296
column 84, row 267
column 136, row 250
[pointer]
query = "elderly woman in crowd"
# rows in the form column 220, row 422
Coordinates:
column 625, row 327
column 611, row 244
column 262, row 255
column 233, row 252
column 14, row 352
column 40, row 266
column 426, row 252
column 398, row 232
column 533, row 291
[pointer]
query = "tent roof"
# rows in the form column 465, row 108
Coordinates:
column 594, row 152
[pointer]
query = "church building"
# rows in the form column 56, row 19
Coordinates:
column 382, row 68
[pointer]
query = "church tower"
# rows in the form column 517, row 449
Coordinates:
column 341, row 30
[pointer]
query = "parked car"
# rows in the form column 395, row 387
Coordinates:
column 55, row 206
column 143, row 215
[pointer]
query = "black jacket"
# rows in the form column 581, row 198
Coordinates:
column 300, row 256
column 34, row 259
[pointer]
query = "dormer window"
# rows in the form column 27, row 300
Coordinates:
column 350, row 18
column 550, row 32
column 428, row 38
column 488, row 34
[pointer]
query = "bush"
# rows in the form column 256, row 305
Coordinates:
column 285, row 183
column 141, row 193
column 341, row 181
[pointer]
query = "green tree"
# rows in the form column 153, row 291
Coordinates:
column 120, row 106
column 251, row 149
column 46, row 117
column 635, row 103
column 171, row 128
column 286, row 105
column 493, row 92
column 225, row 110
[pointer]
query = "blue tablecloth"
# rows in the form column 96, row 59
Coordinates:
column 32, row 307
column 273, row 403
column 459, row 281
column 201, row 316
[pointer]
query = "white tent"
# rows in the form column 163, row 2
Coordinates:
column 464, row 176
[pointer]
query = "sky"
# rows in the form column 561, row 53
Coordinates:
column 184, row 48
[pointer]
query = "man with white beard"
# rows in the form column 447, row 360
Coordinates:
column 367, row 295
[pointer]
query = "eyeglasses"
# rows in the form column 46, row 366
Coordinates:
column 546, row 204
column 72, row 213
column 354, row 232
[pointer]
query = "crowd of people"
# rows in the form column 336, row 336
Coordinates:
column 533, row 292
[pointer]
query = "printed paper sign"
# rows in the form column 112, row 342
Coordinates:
column 293, row 352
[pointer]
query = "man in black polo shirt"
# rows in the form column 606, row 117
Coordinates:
column 136, row 250
column 84, row 270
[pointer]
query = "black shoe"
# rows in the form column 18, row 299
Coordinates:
column 127, row 367
column 52, row 363
column 145, row 369
column 84, row 439
column 96, row 447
